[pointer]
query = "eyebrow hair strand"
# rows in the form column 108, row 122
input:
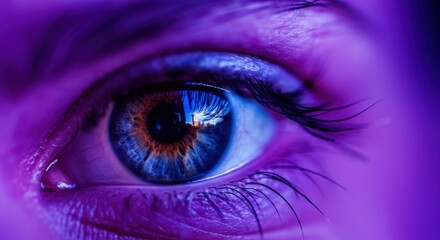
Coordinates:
column 83, row 34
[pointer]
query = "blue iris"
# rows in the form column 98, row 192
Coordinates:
column 171, row 136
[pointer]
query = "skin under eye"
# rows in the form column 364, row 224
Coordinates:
column 88, row 168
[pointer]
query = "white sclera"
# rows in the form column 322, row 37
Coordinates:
column 252, row 129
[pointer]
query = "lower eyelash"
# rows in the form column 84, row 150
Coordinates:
column 244, row 195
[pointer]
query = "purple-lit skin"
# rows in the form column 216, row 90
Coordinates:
column 348, row 58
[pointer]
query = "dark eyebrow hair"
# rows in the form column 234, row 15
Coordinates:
column 88, row 32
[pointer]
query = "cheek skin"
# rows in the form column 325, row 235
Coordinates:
column 388, row 192
column 393, row 186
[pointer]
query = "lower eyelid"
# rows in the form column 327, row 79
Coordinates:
column 153, row 215
column 210, row 213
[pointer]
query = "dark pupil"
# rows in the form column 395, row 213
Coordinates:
column 166, row 123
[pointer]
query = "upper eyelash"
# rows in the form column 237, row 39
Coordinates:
column 288, row 105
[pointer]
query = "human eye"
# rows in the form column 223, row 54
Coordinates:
column 183, row 134
column 172, row 121
column 192, row 144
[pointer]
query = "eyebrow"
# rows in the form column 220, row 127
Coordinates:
column 90, row 32
column 87, row 32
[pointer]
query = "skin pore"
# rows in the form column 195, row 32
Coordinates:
column 58, row 59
